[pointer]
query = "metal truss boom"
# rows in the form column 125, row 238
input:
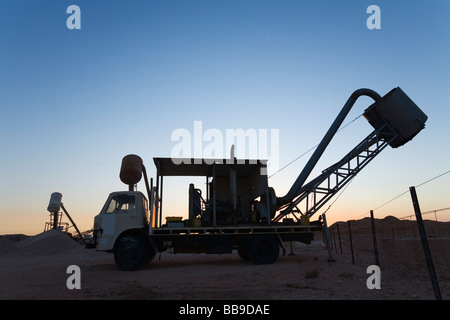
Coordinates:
column 313, row 195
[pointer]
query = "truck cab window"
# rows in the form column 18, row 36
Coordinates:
column 121, row 203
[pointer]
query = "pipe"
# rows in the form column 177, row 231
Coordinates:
column 73, row 223
column 293, row 192
column 146, row 182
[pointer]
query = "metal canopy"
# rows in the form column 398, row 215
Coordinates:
column 204, row 167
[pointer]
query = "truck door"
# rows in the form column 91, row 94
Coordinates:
column 120, row 214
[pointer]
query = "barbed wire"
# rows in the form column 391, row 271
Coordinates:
column 426, row 212
column 403, row 193
column 312, row 148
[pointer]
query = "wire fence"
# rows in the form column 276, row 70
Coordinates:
column 395, row 246
column 407, row 249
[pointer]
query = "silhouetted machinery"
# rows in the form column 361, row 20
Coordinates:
column 240, row 193
column 55, row 223
column 239, row 210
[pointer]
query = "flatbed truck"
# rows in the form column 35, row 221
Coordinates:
column 239, row 210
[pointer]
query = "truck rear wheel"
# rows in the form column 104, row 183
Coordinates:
column 243, row 252
column 132, row 253
column 263, row 249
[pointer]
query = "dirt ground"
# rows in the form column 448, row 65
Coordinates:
column 36, row 268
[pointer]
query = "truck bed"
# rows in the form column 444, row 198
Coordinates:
column 277, row 228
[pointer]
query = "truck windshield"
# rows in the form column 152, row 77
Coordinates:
column 121, row 203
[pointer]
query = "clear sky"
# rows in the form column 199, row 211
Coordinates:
column 74, row 102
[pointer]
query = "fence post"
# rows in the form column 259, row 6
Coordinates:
column 334, row 238
column 351, row 241
column 426, row 248
column 339, row 236
column 327, row 238
column 374, row 236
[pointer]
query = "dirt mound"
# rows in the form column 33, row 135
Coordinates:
column 391, row 220
column 8, row 242
column 47, row 243
column 7, row 245
column 14, row 237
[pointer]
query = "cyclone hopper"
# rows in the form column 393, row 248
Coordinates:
column 53, row 207
column 131, row 172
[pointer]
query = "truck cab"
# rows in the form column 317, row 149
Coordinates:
column 124, row 212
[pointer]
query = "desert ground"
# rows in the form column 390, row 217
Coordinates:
column 36, row 268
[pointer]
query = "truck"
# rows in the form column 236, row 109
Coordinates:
column 239, row 211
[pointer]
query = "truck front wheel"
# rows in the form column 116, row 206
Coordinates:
column 131, row 253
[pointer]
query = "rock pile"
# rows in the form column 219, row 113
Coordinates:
column 45, row 243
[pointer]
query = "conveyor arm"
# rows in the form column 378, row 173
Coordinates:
column 396, row 120
column 295, row 189
column 313, row 195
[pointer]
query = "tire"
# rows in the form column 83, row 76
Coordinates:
column 263, row 249
column 243, row 252
column 132, row 253
column 151, row 254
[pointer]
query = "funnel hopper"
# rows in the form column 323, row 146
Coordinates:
column 403, row 116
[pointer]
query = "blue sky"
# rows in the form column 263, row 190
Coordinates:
column 74, row 102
